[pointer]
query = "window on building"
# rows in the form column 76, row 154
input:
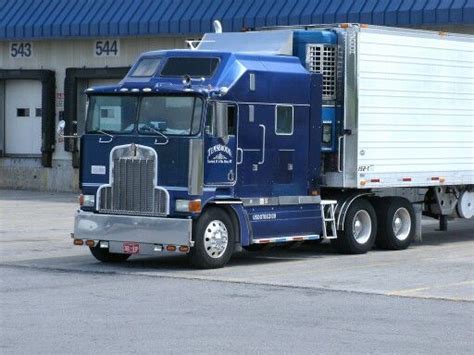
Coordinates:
column 284, row 120
column 23, row 112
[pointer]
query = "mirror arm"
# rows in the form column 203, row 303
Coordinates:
column 75, row 136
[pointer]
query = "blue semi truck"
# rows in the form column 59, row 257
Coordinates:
column 275, row 136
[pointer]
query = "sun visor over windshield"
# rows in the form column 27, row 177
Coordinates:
column 261, row 42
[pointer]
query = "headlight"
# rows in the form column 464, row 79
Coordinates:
column 188, row 206
column 87, row 200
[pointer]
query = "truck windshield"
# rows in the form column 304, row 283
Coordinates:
column 175, row 115
column 170, row 115
column 114, row 114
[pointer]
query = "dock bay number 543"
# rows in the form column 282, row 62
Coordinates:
column 21, row 49
column 107, row 48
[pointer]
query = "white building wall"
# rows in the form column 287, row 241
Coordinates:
column 57, row 55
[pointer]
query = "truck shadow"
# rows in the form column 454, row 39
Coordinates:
column 268, row 255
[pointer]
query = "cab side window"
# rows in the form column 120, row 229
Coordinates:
column 210, row 119
column 231, row 119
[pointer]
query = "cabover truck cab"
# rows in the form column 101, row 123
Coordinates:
column 279, row 136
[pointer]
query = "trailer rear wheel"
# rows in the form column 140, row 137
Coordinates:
column 360, row 228
column 213, row 236
column 105, row 256
column 397, row 226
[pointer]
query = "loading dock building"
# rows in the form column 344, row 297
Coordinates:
column 51, row 51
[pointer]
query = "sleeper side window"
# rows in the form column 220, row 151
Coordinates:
column 284, row 120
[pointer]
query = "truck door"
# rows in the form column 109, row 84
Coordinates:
column 220, row 155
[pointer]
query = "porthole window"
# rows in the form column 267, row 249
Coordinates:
column 284, row 120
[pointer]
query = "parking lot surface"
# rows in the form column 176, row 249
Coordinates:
column 299, row 299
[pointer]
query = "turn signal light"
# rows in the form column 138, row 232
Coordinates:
column 184, row 248
column 90, row 243
column 78, row 242
column 171, row 247
column 195, row 206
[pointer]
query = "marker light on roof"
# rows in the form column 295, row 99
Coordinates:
column 90, row 89
column 223, row 90
column 146, row 89
column 123, row 89
column 135, row 90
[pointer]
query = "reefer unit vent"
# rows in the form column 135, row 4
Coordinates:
column 321, row 59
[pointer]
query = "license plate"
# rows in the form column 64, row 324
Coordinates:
column 130, row 248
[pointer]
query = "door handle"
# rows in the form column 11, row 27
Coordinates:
column 263, row 144
column 102, row 140
column 339, row 153
column 240, row 156
column 165, row 142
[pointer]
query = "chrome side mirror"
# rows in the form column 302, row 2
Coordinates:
column 60, row 130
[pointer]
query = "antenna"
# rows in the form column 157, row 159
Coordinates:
column 217, row 26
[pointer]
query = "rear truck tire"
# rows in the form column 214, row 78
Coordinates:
column 103, row 254
column 396, row 223
column 213, row 236
column 360, row 229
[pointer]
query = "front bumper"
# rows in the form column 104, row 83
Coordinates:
column 149, row 232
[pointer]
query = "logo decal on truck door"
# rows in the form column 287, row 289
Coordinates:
column 219, row 154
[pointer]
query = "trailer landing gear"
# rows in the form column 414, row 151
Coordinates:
column 443, row 223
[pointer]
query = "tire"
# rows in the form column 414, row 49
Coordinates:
column 105, row 256
column 214, row 237
column 397, row 223
column 360, row 229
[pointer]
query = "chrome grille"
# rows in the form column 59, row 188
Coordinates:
column 321, row 59
column 132, row 190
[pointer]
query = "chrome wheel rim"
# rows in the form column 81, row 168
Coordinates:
column 361, row 226
column 216, row 239
column 401, row 224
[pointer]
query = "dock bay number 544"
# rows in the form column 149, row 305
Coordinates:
column 107, row 48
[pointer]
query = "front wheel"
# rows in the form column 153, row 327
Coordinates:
column 213, row 236
column 360, row 228
column 105, row 256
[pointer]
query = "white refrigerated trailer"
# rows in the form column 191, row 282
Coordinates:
column 406, row 127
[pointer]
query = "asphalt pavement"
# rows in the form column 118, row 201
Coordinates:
column 55, row 298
